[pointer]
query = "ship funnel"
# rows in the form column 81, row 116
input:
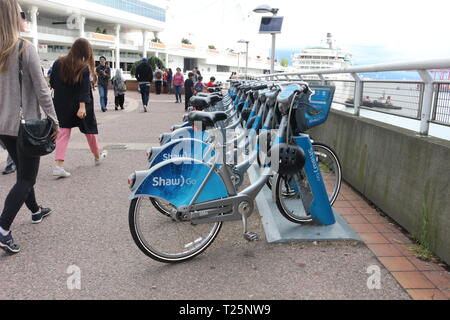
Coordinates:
column 330, row 40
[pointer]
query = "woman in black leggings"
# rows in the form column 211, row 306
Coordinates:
column 23, row 191
column 35, row 94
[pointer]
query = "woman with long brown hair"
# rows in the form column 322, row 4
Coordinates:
column 34, row 94
column 72, row 77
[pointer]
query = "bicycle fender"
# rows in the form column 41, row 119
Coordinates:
column 178, row 181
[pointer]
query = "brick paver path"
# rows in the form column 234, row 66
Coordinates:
column 422, row 280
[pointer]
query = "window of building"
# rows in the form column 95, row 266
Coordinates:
column 223, row 68
column 136, row 7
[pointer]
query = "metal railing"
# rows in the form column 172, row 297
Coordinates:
column 57, row 31
column 441, row 107
column 427, row 100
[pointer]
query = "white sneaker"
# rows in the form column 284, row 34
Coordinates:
column 145, row 109
column 102, row 158
column 59, row 172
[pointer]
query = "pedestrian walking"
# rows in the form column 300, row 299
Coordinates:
column 165, row 84
column 188, row 89
column 104, row 76
column 74, row 102
column 32, row 94
column 159, row 77
column 197, row 74
column 169, row 80
column 178, row 81
column 199, row 86
column 120, row 87
column 10, row 165
column 144, row 76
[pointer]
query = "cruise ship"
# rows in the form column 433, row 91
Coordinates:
column 124, row 32
column 322, row 57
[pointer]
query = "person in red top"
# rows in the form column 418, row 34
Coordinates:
column 211, row 83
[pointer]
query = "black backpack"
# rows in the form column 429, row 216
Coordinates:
column 144, row 72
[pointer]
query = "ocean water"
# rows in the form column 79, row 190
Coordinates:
column 439, row 131
column 405, row 96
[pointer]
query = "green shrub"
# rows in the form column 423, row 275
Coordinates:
column 186, row 41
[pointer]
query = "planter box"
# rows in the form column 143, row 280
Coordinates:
column 102, row 37
column 188, row 47
column 157, row 45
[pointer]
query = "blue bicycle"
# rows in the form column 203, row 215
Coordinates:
column 203, row 194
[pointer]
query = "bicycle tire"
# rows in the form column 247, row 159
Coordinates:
column 332, row 198
column 156, row 255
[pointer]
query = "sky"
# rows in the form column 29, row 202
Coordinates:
column 373, row 31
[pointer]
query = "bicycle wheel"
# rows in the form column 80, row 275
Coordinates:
column 263, row 159
column 289, row 190
column 330, row 168
column 262, row 166
column 165, row 240
column 288, row 197
column 163, row 206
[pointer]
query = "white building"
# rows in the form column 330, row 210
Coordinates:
column 123, row 31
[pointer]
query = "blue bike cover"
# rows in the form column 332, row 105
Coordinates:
column 178, row 180
column 321, row 210
column 183, row 148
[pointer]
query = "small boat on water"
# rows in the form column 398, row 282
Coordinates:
column 372, row 104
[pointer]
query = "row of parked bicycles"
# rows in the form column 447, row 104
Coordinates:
column 195, row 180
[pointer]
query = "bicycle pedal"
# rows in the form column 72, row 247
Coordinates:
column 251, row 237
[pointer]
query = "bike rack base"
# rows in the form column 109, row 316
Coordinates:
column 279, row 230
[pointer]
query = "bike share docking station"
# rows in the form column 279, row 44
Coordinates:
column 194, row 183
column 280, row 230
column 329, row 226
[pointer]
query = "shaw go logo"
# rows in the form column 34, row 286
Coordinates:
column 174, row 182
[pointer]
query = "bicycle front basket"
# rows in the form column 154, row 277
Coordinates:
column 311, row 111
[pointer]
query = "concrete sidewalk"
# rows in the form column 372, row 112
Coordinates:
column 89, row 229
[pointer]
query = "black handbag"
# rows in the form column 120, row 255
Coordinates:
column 35, row 136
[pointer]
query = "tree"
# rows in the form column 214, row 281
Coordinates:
column 285, row 62
column 212, row 47
column 154, row 62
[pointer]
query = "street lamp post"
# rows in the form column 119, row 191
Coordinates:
column 246, row 54
column 267, row 9
column 239, row 62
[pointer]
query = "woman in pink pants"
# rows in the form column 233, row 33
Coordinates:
column 71, row 80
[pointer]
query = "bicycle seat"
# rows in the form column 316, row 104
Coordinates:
column 200, row 102
column 208, row 119
column 272, row 95
column 213, row 97
column 259, row 86
column 213, row 90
